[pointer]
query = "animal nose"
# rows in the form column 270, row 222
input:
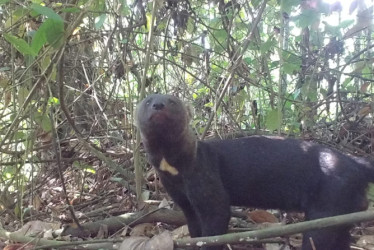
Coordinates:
column 158, row 106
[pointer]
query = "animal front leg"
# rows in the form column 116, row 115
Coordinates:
column 212, row 206
column 193, row 222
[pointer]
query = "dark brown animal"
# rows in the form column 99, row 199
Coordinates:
column 205, row 177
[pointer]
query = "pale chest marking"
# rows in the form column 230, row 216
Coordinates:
column 165, row 166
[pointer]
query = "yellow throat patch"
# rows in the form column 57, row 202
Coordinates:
column 165, row 166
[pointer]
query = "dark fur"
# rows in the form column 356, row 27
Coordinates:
column 257, row 171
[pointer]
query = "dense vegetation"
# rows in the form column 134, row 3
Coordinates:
column 71, row 73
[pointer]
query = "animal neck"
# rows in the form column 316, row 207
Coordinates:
column 174, row 149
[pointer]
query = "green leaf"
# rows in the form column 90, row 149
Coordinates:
column 220, row 35
column 290, row 68
column 359, row 66
column 44, row 62
column 98, row 6
column 346, row 82
column 309, row 89
column 53, row 100
column 39, row 38
column 247, row 60
column 125, row 10
column 291, row 58
column 255, row 3
column 219, row 38
column 266, row 46
column 274, row 64
column 50, row 31
column 346, row 23
column 4, row 1
column 287, row 5
column 323, row 92
column 16, row 15
column 272, row 120
column 46, row 123
column 54, row 32
column 20, row 45
column 19, row 135
column 22, row 94
column 84, row 166
column 90, row 170
column 366, row 71
column 149, row 21
column 307, row 18
column 292, row 63
column 99, row 21
column 190, row 26
column 45, row 11
column 209, row 105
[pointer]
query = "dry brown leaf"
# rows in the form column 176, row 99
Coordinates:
column 186, row 57
column 4, row 81
column 162, row 241
column 37, row 202
column 261, row 216
column 275, row 246
column 33, row 228
column 368, row 230
column 296, row 240
column 366, row 241
column 180, row 232
column 364, row 111
column 133, row 243
column 19, row 246
column 364, row 87
column 7, row 98
column 144, row 229
column 164, row 204
column 103, row 232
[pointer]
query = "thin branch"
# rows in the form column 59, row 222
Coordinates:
column 238, row 60
column 254, row 236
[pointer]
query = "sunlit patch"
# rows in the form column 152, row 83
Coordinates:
column 328, row 162
column 165, row 166
column 275, row 137
column 305, row 146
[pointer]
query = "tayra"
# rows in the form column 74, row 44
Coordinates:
column 205, row 177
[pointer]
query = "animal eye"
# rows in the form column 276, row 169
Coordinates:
column 172, row 102
column 148, row 102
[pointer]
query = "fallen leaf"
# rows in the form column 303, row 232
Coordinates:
column 364, row 87
column 261, row 216
column 162, row 241
column 180, row 232
column 144, row 229
column 364, row 111
column 33, row 228
column 366, row 241
column 19, row 246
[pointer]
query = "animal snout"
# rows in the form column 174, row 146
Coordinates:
column 158, row 106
